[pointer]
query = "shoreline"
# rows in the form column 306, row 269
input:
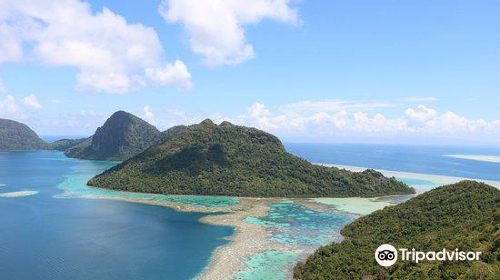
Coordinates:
column 484, row 158
column 248, row 239
column 438, row 179
column 18, row 194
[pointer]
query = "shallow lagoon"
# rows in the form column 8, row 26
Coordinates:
column 294, row 224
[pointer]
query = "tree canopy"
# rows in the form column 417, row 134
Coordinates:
column 211, row 159
column 465, row 215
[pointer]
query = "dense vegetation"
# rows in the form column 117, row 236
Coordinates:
column 122, row 136
column 208, row 159
column 64, row 144
column 465, row 215
column 18, row 136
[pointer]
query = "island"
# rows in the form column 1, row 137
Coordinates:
column 18, row 136
column 122, row 136
column 464, row 215
column 232, row 160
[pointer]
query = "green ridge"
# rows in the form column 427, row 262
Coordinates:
column 210, row 159
column 65, row 144
column 465, row 215
column 18, row 136
column 122, row 136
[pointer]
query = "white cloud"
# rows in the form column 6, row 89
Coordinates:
column 215, row 28
column 415, row 123
column 111, row 54
column 421, row 113
column 9, row 108
column 172, row 74
column 148, row 115
column 31, row 102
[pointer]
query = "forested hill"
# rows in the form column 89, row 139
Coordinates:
column 465, row 215
column 210, row 159
column 122, row 136
column 65, row 144
column 18, row 136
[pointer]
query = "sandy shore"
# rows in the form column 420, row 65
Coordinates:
column 18, row 194
column 438, row 180
column 495, row 159
column 248, row 239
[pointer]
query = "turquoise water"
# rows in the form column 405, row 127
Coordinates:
column 297, row 226
column 292, row 223
column 44, row 237
column 104, row 239
column 418, row 182
column 74, row 185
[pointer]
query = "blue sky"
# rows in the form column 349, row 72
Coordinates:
column 316, row 71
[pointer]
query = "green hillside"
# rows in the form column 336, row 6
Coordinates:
column 210, row 159
column 64, row 144
column 18, row 136
column 465, row 215
column 122, row 136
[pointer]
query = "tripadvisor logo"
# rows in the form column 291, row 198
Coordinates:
column 387, row 255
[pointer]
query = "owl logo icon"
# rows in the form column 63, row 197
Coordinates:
column 386, row 255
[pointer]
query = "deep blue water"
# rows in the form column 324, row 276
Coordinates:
column 42, row 237
column 415, row 159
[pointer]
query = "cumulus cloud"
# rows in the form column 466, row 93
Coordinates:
column 215, row 29
column 421, row 113
column 148, row 115
column 172, row 74
column 31, row 102
column 9, row 108
column 420, row 121
column 111, row 54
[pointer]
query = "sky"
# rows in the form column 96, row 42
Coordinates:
column 361, row 71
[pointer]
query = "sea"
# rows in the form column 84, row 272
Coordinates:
column 53, row 227
column 47, row 235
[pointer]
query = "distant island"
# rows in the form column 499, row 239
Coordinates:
column 18, row 136
column 122, row 136
column 65, row 144
column 202, row 159
column 464, row 215
column 231, row 160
